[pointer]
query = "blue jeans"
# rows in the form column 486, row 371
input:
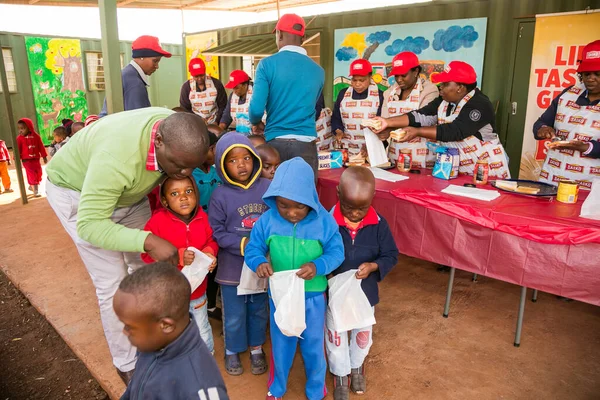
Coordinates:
column 244, row 318
column 199, row 310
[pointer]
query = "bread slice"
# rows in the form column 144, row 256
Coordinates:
column 398, row 135
column 371, row 123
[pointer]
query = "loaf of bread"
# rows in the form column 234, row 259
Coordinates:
column 371, row 123
column 527, row 190
column 398, row 135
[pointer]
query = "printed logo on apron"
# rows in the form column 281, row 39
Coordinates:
column 472, row 149
column 204, row 103
column 324, row 135
column 239, row 112
column 353, row 112
column 573, row 122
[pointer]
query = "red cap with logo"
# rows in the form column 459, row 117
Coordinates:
column 148, row 46
column 591, row 58
column 456, row 71
column 404, row 62
column 291, row 23
column 236, row 77
column 197, row 67
column 360, row 67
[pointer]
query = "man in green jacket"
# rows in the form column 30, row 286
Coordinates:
column 97, row 186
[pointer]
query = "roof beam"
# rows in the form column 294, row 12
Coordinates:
column 125, row 2
column 198, row 3
column 32, row 2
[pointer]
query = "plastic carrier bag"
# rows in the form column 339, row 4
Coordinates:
column 287, row 291
column 348, row 303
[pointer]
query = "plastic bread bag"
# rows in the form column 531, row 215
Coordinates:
column 250, row 283
column 591, row 206
column 348, row 303
column 287, row 291
column 197, row 271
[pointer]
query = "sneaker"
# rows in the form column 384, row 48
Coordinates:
column 271, row 397
column 357, row 379
column 30, row 188
column 233, row 365
column 259, row 363
column 341, row 389
column 216, row 313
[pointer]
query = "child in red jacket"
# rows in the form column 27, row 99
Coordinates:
column 183, row 223
column 31, row 149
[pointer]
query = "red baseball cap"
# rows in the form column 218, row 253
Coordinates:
column 236, row 77
column 404, row 62
column 360, row 67
column 456, row 71
column 591, row 58
column 286, row 24
column 197, row 67
column 148, row 46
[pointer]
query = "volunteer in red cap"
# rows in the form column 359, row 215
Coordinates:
column 461, row 118
column 362, row 100
column 238, row 103
column 202, row 94
column 146, row 53
column 408, row 93
column 288, row 85
column 573, row 123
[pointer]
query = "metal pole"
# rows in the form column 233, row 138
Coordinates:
column 449, row 292
column 13, row 128
column 278, row 13
column 520, row 316
column 111, row 58
column 534, row 296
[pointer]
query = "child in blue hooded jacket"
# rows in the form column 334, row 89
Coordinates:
column 298, row 233
column 234, row 208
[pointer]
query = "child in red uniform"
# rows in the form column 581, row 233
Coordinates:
column 4, row 163
column 31, row 149
column 183, row 223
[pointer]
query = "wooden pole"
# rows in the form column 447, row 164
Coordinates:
column 13, row 129
column 278, row 12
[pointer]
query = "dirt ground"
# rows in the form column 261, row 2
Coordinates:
column 416, row 354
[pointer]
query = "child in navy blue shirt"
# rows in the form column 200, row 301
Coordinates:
column 370, row 248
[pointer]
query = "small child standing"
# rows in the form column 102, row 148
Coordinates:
column 270, row 160
column 60, row 139
column 298, row 233
column 234, row 208
column 173, row 361
column 182, row 223
column 370, row 248
column 4, row 163
column 31, row 149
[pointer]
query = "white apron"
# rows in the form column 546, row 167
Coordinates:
column 204, row 103
column 573, row 122
column 472, row 149
column 421, row 156
column 324, row 135
column 353, row 112
column 239, row 113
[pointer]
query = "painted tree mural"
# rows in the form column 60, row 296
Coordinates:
column 64, row 57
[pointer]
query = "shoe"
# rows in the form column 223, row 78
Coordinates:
column 8, row 191
column 233, row 365
column 259, row 363
column 30, row 188
column 358, row 382
column 271, row 397
column 216, row 313
column 126, row 376
column 341, row 389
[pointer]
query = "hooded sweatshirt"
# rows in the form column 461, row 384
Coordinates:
column 234, row 209
column 30, row 146
column 197, row 233
column 314, row 239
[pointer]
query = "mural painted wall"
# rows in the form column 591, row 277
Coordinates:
column 196, row 44
column 435, row 43
column 57, row 80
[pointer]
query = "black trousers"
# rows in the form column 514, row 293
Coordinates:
column 212, row 288
column 290, row 148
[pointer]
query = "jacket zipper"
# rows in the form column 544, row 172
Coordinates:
column 145, row 378
column 294, row 246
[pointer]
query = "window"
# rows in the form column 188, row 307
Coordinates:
column 95, row 70
column 312, row 44
column 10, row 71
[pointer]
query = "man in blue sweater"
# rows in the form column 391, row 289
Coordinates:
column 288, row 85
column 146, row 53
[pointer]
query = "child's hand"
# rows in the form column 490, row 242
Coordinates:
column 45, row 160
column 365, row 269
column 212, row 266
column 264, row 270
column 307, row 271
column 188, row 257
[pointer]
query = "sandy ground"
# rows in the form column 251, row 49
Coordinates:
column 417, row 354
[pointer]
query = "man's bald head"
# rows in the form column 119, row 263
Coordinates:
column 356, row 191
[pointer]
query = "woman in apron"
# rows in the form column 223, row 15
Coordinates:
column 235, row 116
column 362, row 100
column 461, row 118
column 408, row 93
column 573, row 123
column 202, row 94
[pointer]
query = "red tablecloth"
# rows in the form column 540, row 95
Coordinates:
column 532, row 242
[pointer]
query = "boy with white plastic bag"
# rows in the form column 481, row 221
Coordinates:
column 298, row 234
column 369, row 250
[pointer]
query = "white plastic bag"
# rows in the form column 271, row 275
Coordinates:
column 287, row 291
column 591, row 206
column 197, row 271
column 250, row 283
column 348, row 304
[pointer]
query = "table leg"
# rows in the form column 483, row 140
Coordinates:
column 449, row 292
column 474, row 277
column 520, row 316
column 534, row 296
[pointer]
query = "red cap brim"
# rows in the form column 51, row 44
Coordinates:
column 164, row 53
column 231, row 85
column 442, row 77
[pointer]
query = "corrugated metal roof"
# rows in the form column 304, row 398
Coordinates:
column 262, row 47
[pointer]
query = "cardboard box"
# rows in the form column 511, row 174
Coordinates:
column 446, row 164
column 331, row 159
